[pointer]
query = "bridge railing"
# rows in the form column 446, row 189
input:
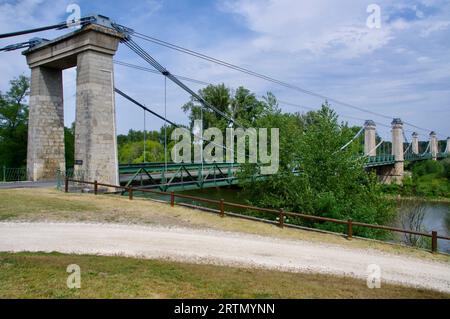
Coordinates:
column 178, row 175
column 12, row 174
column 380, row 160
column 280, row 214
column 417, row 157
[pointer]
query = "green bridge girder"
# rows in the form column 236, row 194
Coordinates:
column 185, row 176
column 179, row 176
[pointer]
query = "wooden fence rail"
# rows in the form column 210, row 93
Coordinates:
column 280, row 213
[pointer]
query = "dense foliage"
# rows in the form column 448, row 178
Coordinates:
column 241, row 105
column 131, row 146
column 428, row 179
column 316, row 177
column 14, row 123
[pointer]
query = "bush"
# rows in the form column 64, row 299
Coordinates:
column 428, row 167
column 446, row 164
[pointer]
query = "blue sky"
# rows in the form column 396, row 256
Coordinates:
column 401, row 69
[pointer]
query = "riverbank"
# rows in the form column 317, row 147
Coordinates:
column 50, row 205
column 443, row 200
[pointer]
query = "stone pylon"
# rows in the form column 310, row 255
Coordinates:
column 370, row 138
column 46, row 152
column 397, row 150
column 91, row 50
column 433, row 146
column 415, row 143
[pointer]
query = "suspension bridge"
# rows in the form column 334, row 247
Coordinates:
column 91, row 49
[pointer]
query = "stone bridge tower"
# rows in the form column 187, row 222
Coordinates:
column 91, row 50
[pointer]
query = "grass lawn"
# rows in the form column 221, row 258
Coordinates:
column 41, row 275
column 53, row 205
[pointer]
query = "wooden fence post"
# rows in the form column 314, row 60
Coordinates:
column 349, row 229
column 434, row 241
column 95, row 187
column 130, row 193
column 281, row 217
column 222, row 210
column 66, row 184
column 172, row 199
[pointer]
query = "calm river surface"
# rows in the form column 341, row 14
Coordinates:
column 436, row 216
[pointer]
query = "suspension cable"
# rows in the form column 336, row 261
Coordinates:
column 145, row 136
column 427, row 149
column 375, row 148
column 354, row 138
column 165, row 126
column 149, row 59
column 50, row 27
column 249, row 72
column 143, row 106
column 170, row 122
column 261, row 76
column 59, row 26
column 281, row 102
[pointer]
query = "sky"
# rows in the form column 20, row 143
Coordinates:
column 401, row 69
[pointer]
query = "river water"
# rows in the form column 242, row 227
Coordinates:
column 436, row 217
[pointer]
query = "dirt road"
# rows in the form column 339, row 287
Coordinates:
column 216, row 247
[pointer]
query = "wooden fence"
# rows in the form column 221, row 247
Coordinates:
column 221, row 204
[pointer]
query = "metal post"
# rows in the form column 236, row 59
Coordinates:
column 172, row 199
column 222, row 211
column 281, row 217
column 95, row 187
column 4, row 173
column 434, row 241
column 66, row 184
column 130, row 193
column 349, row 229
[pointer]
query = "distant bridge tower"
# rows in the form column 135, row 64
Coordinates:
column 415, row 143
column 447, row 149
column 433, row 146
column 91, row 50
column 370, row 138
column 397, row 150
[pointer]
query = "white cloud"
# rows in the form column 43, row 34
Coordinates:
column 321, row 45
column 434, row 27
column 321, row 26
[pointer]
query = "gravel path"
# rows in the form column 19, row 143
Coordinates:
column 224, row 248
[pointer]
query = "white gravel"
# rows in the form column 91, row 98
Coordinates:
column 224, row 248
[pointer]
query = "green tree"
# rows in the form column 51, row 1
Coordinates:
column 240, row 105
column 69, row 142
column 317, row 177
column 13, row 123
column 131, row 146
column 133, row 152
